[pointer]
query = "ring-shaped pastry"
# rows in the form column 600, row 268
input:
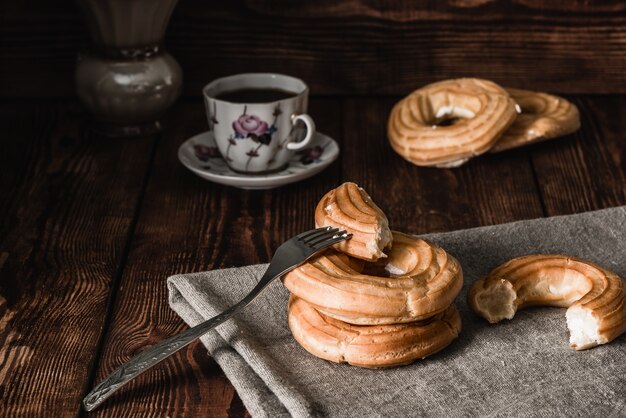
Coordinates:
column 595, row 297
column 374, row 346
column 481, row 109
column 350, row 208
column 543, row 116
column 416, row 281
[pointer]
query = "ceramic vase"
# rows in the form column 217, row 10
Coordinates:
column 126, row 80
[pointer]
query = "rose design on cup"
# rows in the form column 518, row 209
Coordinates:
column 248, row 125
column 253, row 127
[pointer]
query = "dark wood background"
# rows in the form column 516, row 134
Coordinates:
column 91, row 227
column 345, row 47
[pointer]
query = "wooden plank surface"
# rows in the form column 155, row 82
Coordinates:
column 84, row 219
column 188, row 224
column 210, row 226
column 349, row 47
column 587, row 170
column 68, row 204
column 421, row 200
column 382, row 47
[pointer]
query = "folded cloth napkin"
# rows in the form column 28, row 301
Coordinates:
column 522, row 367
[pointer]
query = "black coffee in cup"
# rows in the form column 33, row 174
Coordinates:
column 255, row 95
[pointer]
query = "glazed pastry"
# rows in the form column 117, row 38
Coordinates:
column 370, row 346
column 416, row 281
column 350, row 208
column 543, row 116
column 481, row 109
column 595, row 297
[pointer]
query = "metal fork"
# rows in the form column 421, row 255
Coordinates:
column 288, row 256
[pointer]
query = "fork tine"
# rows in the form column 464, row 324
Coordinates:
column 331, row 242
column 308, row 233
column 320, row 235
column 324, row 241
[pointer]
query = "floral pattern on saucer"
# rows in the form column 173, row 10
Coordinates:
column 311, row 155
column 200, row 155
column 204, row 153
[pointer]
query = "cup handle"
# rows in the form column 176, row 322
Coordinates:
column 310, row 131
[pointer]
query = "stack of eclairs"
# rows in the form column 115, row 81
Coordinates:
column 380, row 299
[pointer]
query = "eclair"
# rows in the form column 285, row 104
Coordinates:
column 376, row 346
column 350, row 208
column 543, row 116
column 595, row 297
column 416, row 281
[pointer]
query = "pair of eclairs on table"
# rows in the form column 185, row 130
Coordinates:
column 386, row 299
column 444, row 124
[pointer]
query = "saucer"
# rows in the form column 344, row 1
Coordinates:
column 200, row 155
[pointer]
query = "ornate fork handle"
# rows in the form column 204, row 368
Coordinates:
column 159, row 352
column 288, row 256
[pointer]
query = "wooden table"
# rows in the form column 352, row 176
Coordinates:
column 92, row 227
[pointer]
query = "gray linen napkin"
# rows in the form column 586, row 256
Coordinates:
column 522, row 367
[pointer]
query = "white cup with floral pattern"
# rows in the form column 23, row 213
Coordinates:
column 259, row 137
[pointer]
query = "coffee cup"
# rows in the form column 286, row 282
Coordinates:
column 258, row 120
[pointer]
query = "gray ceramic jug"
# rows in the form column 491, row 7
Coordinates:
column 126, row 80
